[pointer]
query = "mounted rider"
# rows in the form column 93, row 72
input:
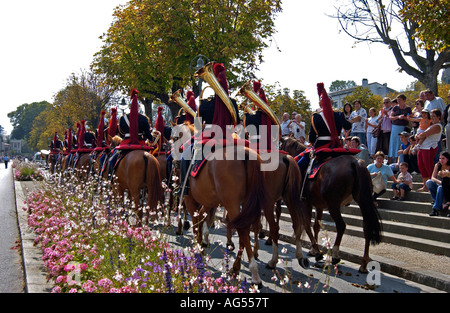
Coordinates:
column 325, row 127
column 215, row 114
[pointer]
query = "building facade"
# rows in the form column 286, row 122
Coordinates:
column 337, row 97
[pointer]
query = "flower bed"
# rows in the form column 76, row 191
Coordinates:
column 89, row 246
column 27, row 172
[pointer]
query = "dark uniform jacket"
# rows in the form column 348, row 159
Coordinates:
column 319, row 128
column 143, row 128
column 206, row 110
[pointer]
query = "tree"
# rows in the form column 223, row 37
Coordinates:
column 366, row 97
column 379, row 21
column 341, row 85
column 151, row 43
column 433, row 22
column 22, row 118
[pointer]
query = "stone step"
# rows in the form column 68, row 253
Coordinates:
column 413, row 242
column 404, row 216
column 410, row 195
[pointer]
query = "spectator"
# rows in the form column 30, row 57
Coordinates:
column 447, row 124
column 347, row 142
column 399, row 119
column 434, row 102
column 6, row 160
column 372, row 123
column 284, row 124
column 446, row 190
column 404, row 145
column 358, row 120
column 434, row 184
column 416, row 114
column 364, row 154
column 405, row 183
column 424, row 122
column 379, row 168
column 411, row 156
column 347, row 110
column 386, row 127
column 297, row 127
column 429, row 147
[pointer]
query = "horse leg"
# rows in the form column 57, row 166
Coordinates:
column 244, row 242
column 340, row 229
column 314, row 251
column 318, row 218
column 365, row 259
column 274, row 234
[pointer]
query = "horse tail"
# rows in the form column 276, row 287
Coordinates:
column 153, row 180
column 256, row 197
column 371, row 216
column 291, row 193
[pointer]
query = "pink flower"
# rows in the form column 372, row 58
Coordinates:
column 83, row 266
column 69, row 267
column 56, row 289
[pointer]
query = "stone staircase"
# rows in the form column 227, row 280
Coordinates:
column 405, row 223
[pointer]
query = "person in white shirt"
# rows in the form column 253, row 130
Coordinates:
column 284, row 124
column 358, row 120
column 297, row 127
column 434, row 102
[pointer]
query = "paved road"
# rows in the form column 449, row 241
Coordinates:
column 11, row 273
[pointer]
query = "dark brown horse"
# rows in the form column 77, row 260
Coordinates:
column 338, row 181
column 138, row 170
column 283, row 183
column 230, row 182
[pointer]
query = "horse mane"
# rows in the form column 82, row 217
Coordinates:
column 115, row 141
column 294, row 144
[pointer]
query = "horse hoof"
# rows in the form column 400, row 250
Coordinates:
column 304, row 262
column 363, row 270
column 259, row 285
column 269, row 266
column 319, row 256
column 261, row 235
column 205, row 245
column 179, row 233
column 335, row 261
column 230, row 247
column 268, row 242
column 186, row 225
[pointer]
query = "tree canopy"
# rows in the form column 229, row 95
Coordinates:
column 414, row 44
column 22, row 118
column 151, row 44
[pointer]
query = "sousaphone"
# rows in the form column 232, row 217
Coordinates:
column 176, row 97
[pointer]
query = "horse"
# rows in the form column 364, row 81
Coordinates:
column 138, row 170
column 230, row 182
column 52, row 159
column 283, row 183
column 82, row 165
column 336, row 183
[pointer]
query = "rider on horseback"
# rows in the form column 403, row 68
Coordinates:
column 325, row 127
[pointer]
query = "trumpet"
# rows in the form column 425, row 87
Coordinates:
column 248, row 92
column 246, row 108
column 207, row 74
column 176, row 97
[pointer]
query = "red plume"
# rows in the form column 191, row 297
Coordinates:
column 112, row 127
column 82, row 133
column 191, row 103
column 222, row 116
column 256, row 85
column 69, row 140
column 134, row 118
column 329, row 116
column 101, row 128
column 189, row 94
column 159, row 124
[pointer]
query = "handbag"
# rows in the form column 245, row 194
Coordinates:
column 376, row 132
column 378, row 183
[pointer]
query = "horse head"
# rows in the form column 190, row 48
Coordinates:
column 291, row 145
column 115, row 141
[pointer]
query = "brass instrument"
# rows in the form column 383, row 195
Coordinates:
column 207, row 74
column 176, row 97
column 248, row 92
column 246, row 108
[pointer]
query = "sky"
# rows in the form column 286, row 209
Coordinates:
column 43, row 42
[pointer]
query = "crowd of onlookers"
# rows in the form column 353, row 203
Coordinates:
column 399, row 140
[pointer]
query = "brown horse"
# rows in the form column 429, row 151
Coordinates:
column 138, row 170
column 230, row 182
column 82, row 166
column 52, row 160
column 283, row 183
column 338, row 181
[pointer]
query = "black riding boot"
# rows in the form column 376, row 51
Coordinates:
column 184, row 166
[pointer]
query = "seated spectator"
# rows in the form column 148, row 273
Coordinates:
column 405, row 183
column 347, row 142
column 434, row 184
column 404, row 144
column 379, row 168
column 364, row 155
column 411, row 156
column 445, row 190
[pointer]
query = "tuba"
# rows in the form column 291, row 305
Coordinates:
column 207, row 74
column 176, row 97
column 248, row 92
column 246, row 108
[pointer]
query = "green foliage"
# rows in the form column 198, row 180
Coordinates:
column 431, row 21
column 341, row 85
column 150, row 44
column 22, row 118
column 367, row 98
